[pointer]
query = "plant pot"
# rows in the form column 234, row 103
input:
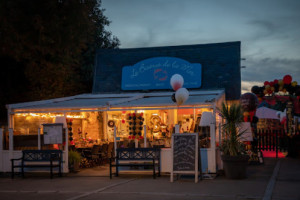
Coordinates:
column 235, row 167
column 74, row 167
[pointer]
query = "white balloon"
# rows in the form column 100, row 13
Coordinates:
column 181, row 96
column 176, row 81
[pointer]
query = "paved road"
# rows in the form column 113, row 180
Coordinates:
column 133, row 187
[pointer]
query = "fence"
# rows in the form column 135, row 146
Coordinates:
column 275, row 140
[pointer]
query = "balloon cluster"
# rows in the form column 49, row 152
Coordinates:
column 135, row 121
column 181, row 94
column 285, row 85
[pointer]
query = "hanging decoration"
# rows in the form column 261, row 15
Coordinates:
column 135, row 122
column 69, row 124
column 287, row 79
column 155, row 123
column 176, row 81
column 277, row 93
column 285, row 86
column 181, row 94
column 111, row 123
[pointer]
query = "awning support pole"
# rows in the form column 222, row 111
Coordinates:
column 115, row 140
column 39, row 138
column 145, row 136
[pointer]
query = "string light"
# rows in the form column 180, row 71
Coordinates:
column 49, row 115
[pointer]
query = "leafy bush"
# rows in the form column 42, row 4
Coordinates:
column 74, row 156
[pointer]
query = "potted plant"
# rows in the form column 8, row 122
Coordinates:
column 234, row 157
column 74, row 161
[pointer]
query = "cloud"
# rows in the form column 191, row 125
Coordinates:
column 260, row 29
column 268, row 30
column 268, row 69
column 247, row 85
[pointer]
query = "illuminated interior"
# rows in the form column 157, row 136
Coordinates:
column 89, row 128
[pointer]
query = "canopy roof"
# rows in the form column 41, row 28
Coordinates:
column 106, row 102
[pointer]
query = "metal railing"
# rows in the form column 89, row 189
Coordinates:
column 273, row 140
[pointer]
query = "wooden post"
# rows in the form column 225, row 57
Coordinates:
column 172, row 154
column 145, row 136
column 11, row 139
column 177, row 128
column 66, row 150
column 11, row 143
column 115, row 140
column 197, row 160
column 39, row 139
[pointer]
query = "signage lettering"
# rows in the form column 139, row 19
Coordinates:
column 155, row 73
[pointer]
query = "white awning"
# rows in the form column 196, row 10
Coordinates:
column 90, row 102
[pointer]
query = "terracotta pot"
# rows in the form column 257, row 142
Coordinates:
column 235, row 167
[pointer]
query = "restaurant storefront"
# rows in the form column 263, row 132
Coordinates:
column 132, row 106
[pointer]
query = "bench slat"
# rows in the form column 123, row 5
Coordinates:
column 136, row 155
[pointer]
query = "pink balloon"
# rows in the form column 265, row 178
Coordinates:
column 176, row 86
column 176, row 81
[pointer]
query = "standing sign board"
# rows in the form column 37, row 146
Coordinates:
column 53, row 133
column 185, row 154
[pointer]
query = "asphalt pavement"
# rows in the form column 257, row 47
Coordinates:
column 276, row 179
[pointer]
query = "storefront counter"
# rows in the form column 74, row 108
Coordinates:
column 165, row 159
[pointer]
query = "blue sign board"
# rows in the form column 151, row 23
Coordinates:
column 155, row 73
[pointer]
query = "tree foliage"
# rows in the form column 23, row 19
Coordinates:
column 52, row 44
column 55, row 41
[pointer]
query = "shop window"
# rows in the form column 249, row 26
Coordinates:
column 29, row 123
column 204, row 137
column 186, row 120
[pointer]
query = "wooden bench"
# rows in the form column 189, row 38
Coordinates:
column 136, row 157
column 38, row 159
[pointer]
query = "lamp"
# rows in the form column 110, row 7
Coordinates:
column 206, row 119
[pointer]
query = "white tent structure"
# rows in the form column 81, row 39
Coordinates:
column 266, row 113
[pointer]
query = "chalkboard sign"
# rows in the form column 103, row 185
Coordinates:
column 185, row 154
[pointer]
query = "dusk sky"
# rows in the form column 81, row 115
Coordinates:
column 269, row 30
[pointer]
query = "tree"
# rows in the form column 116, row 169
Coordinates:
column 53, row 44
column 55, row 41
